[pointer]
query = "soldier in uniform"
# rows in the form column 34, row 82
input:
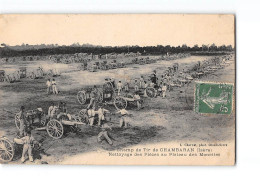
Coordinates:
column 104, row 135
column 91, row 115
column 119, row 87
column 23, row 121
column 124, row 117
column 101, row 114
column 27, row 141
column 93, row 95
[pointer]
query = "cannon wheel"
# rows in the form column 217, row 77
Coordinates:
column 151, row 92
column 6, row 150
column 55, row 129
column 120, row 103
column 81, row 96
column 17, row 121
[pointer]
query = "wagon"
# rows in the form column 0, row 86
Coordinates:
column 9, row 149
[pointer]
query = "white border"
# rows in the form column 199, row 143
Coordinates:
column 248, row 84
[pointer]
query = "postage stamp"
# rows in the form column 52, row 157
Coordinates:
column 214, row 97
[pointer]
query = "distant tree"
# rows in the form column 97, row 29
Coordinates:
column 213, row 47
column 229, row 48
column 196, row 47
column 205, row 48
column 222, row 48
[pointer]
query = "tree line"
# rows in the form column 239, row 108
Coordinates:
column 41, row 50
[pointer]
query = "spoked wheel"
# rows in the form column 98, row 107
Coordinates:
column 6, row 150
column 120, row 103
column 55, row 129
column 17, row 121
column 82, row 115
column 82, row 98
column 151, row 92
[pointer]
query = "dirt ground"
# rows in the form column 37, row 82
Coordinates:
column 161, row 119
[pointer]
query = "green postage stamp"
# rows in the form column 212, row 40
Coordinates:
column 216, row 98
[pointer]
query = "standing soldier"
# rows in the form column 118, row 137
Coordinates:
column 48, row 83
column 54, row 87
column 91, row 115
column 164, row 89
column 141, row 82
column 145, row 86
column 126, row 86
column 123, row 118
column 137, row 98
column 51, row 110
column 101, row 114
column 93, row 95
column 136, row 85
column 27, row 141
column 119, row 87
column 23, row 121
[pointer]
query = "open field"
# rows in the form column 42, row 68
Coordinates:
column 160, row 120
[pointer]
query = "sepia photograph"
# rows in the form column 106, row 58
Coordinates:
column 118, row 89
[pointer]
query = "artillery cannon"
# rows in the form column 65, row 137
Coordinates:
column 54, row 126
column 104, row 94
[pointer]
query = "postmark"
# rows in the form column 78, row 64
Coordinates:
column 213, row 98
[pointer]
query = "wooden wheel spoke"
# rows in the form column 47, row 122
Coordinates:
column 8, row 153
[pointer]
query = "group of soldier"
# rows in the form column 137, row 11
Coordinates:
column 51, row 86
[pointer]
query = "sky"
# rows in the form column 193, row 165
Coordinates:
column 117, row 29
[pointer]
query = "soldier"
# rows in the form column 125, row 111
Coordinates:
column 63, row 110
column 104, row 135
column 126, row 86
column 48, row 83
column 54, row 86
column 27, row 141
column 137, row 98
column 101, row 114
column 23, row 121
column 91, row 115
column 164, row 89
column 93, row 95
column 136, row 85
column 119, row 87
column 123, row 118
column 145, row 86
column 52, row 110
column 141, row 82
